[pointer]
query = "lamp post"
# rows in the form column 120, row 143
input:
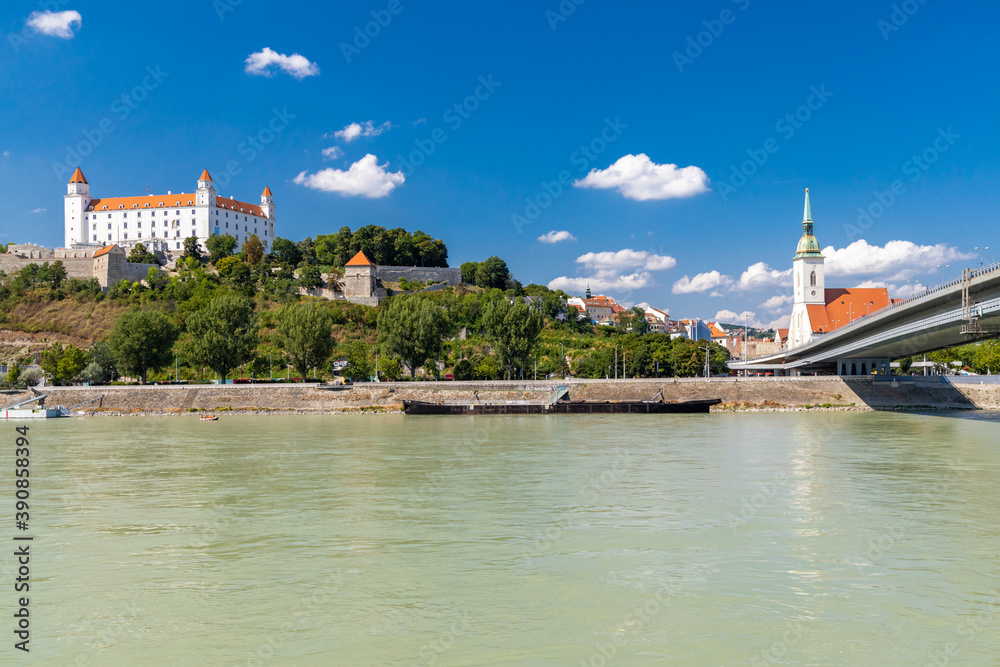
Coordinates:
column 981, row 250
column 616, row 362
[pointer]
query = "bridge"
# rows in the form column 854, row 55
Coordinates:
column 962, row 310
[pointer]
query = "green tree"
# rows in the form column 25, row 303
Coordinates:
column 360, row 365
column 493, row 273
column 285, row 252
column 192, row 248
column 304, row 333
column 310, row 277
column 143, row 341
column 469, row 272
column 254, row 250
column 57, row 274
column 103, row 356
column 512, row 329
column 226, row 264
column 413, row 329
column 223, row 334
column 987, row 357
column 141, row 255
column 220, row 247
column 13, row 374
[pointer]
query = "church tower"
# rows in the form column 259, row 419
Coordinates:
column 809, row 282
column 206, row 190
column 77, row 200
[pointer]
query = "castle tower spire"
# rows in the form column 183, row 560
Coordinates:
column 808, row 245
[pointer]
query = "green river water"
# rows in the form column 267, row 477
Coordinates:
column 724, row 539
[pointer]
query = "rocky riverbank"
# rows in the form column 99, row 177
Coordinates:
column 772, row 394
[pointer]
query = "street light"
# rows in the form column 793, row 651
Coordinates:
column 981, row 250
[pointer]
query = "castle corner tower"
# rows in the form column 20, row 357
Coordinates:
column 77, row 199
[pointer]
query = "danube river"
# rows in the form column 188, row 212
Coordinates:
column 833, row 538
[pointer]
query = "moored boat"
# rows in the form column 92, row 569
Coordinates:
column 563, row 407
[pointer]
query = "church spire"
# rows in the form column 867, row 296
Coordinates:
column 808, row 245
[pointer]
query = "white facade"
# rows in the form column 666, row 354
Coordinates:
column 162, row 222
column 809, row 282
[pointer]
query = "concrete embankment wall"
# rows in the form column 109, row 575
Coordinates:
column 736, row 394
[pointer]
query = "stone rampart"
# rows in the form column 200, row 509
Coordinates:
column 419, row 274
column 82, row 268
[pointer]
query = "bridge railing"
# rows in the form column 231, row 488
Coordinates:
column 974, row 273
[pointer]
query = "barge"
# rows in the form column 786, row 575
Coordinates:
column 561, row 405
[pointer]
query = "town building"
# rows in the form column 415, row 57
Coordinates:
column 363, row 281
column 817, row 310
column 162, row 222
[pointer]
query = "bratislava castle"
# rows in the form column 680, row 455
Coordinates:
column 162, row 222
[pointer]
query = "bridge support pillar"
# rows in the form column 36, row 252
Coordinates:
column 863, row 366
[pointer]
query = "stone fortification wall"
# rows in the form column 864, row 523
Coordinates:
column 419, row 274
column 82, row 268
column 777, row 394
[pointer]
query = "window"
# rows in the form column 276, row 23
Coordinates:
column 192, row 210
column 227, row 225
column 109, row 237
column 109, row 225
column 178, row 245
column 178, row 212
column 139, row 214
column 126, row 225
column 812, row 279
column 95, row 237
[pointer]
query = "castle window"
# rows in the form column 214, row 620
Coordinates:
column 121, row 205
column 135, row 206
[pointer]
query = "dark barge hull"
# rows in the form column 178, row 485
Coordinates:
column 560, row 408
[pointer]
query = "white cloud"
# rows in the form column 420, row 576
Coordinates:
column 6, row 154
column 777, row 302
column 365, row 129
column 332, row 153
column 729, row 317
column 760, row 275
column 38, row 210
column 621, row 271
column 365, row 177
column 605, row 261
column 56, row 24
column 556, row 237
column 897, row 260
column 639, row 178
column 298, row 66
column 419, row 121
column 702, row 282
column 621, row 283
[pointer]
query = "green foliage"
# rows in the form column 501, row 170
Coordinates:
column 389, row 368
column 310, row 277
column 225, row 265
column 223, row 335
column 220, row 246
column 285, row 252
column 141, row 255
column 360, row 364
column 412, row 328
column 13, row 374
column 143, row 341
column 304, row 333
column 103, row 357
column 385, row 247
column 512, row 329
column 192, row 249
column 493, row 273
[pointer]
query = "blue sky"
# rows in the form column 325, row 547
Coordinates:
column 674, row 215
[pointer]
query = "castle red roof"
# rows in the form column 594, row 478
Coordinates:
column 359, row 260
